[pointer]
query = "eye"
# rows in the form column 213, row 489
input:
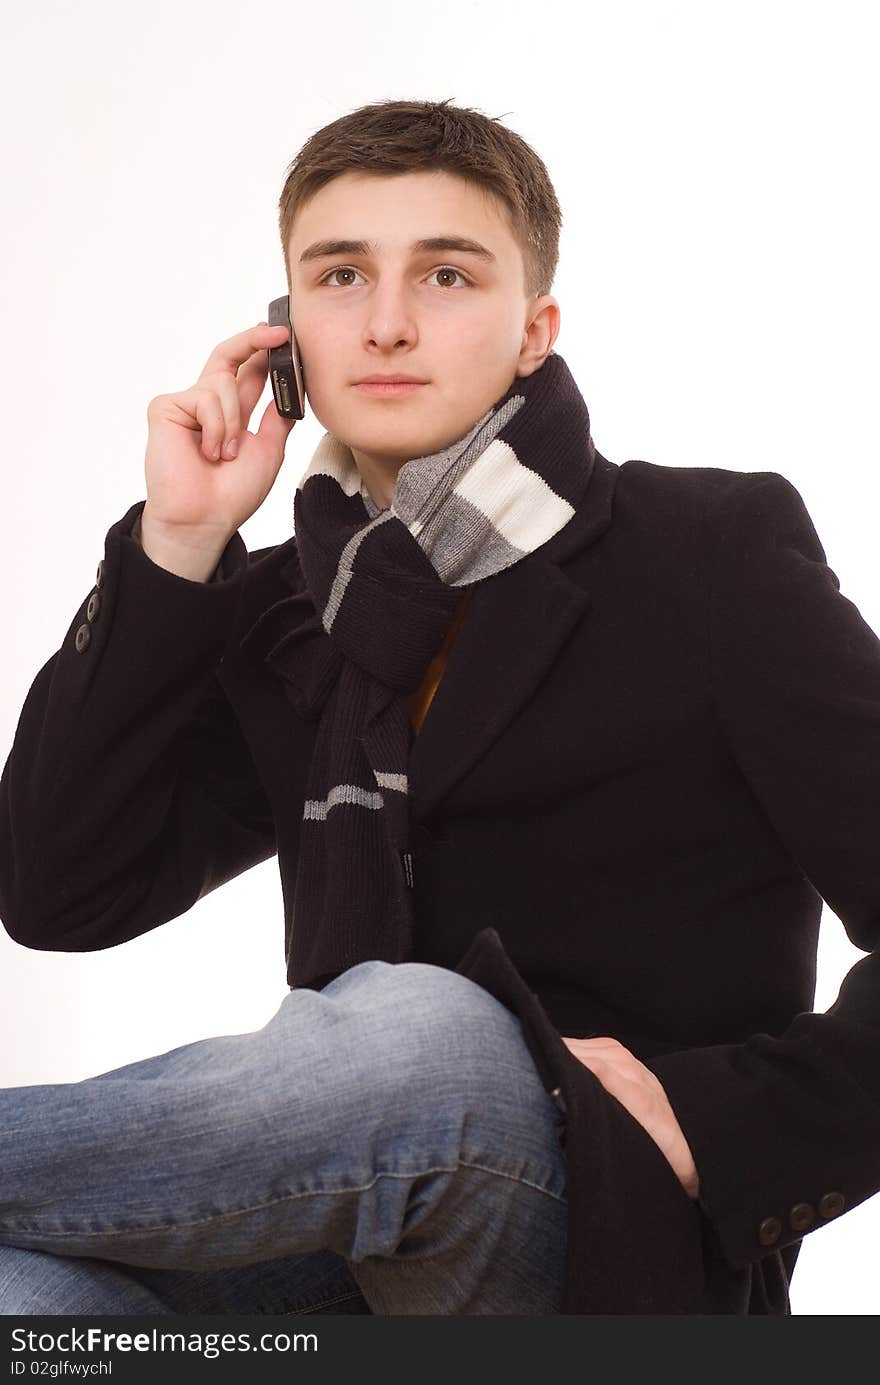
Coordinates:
column 347, row 269
column 447, row 269
column 340, row 269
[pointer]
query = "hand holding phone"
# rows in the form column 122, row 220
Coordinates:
column 199, row 490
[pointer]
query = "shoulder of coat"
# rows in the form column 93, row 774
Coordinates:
column 683, row 488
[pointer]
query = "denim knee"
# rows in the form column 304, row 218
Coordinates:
column 445, row 1032
column 437, row 1001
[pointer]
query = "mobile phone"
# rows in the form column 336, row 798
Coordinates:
column 285, row 366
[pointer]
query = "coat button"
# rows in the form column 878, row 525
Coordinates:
column 831, row 1204
column 769, row 1231
column 801, row 1216
column 83, row 635
column 94, row 606
column 99, row 579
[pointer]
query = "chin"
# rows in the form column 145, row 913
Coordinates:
column 395, row 444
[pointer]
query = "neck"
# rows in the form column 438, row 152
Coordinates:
column 379, row 478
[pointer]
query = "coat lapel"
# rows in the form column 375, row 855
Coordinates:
column 516, row 624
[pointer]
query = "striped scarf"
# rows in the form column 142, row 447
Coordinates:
column 383, row 587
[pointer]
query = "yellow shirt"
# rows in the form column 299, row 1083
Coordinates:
column 419, row 701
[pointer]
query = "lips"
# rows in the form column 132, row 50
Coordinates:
column 389, row 389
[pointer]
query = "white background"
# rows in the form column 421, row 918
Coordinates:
column 718, row 283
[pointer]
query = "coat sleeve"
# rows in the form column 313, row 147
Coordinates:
column 785, row 1129
column 129, row 791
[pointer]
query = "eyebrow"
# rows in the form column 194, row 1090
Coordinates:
column 323, row 248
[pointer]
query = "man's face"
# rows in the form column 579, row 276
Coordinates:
column 452, row 318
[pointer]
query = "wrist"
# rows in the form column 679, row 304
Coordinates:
column 189, row 553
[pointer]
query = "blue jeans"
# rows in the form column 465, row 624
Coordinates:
column 384, row 1146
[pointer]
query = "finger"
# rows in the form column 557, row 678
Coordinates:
column 604, row 1073
column 251, row 382
column 596, row 1044
column 592, row 1059
column 209, row 415
column 616, row 1082
column 275, row 430
column 239, row 395
column 226, row 389
column 233, row 352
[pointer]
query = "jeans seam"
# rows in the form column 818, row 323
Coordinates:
column 483, row 1168
column 499, row 1173
column 323, row 1303
column 274, row 1202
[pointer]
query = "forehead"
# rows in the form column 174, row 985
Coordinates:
column 394, row 211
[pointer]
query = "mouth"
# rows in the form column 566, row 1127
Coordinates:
column 389, row 388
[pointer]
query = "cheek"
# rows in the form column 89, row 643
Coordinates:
column 323, row 365
column 476, row 335
column 317, row 348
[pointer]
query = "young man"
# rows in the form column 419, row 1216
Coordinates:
column 556, row 755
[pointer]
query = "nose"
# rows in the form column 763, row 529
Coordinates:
column 390, row 320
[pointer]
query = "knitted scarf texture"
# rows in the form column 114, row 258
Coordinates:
column 384, row 586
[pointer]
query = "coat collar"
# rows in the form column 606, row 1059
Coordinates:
column 517, row 622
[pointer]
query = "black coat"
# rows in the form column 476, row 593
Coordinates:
column 653, row 752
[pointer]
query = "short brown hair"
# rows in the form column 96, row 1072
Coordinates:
column 389, row 137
